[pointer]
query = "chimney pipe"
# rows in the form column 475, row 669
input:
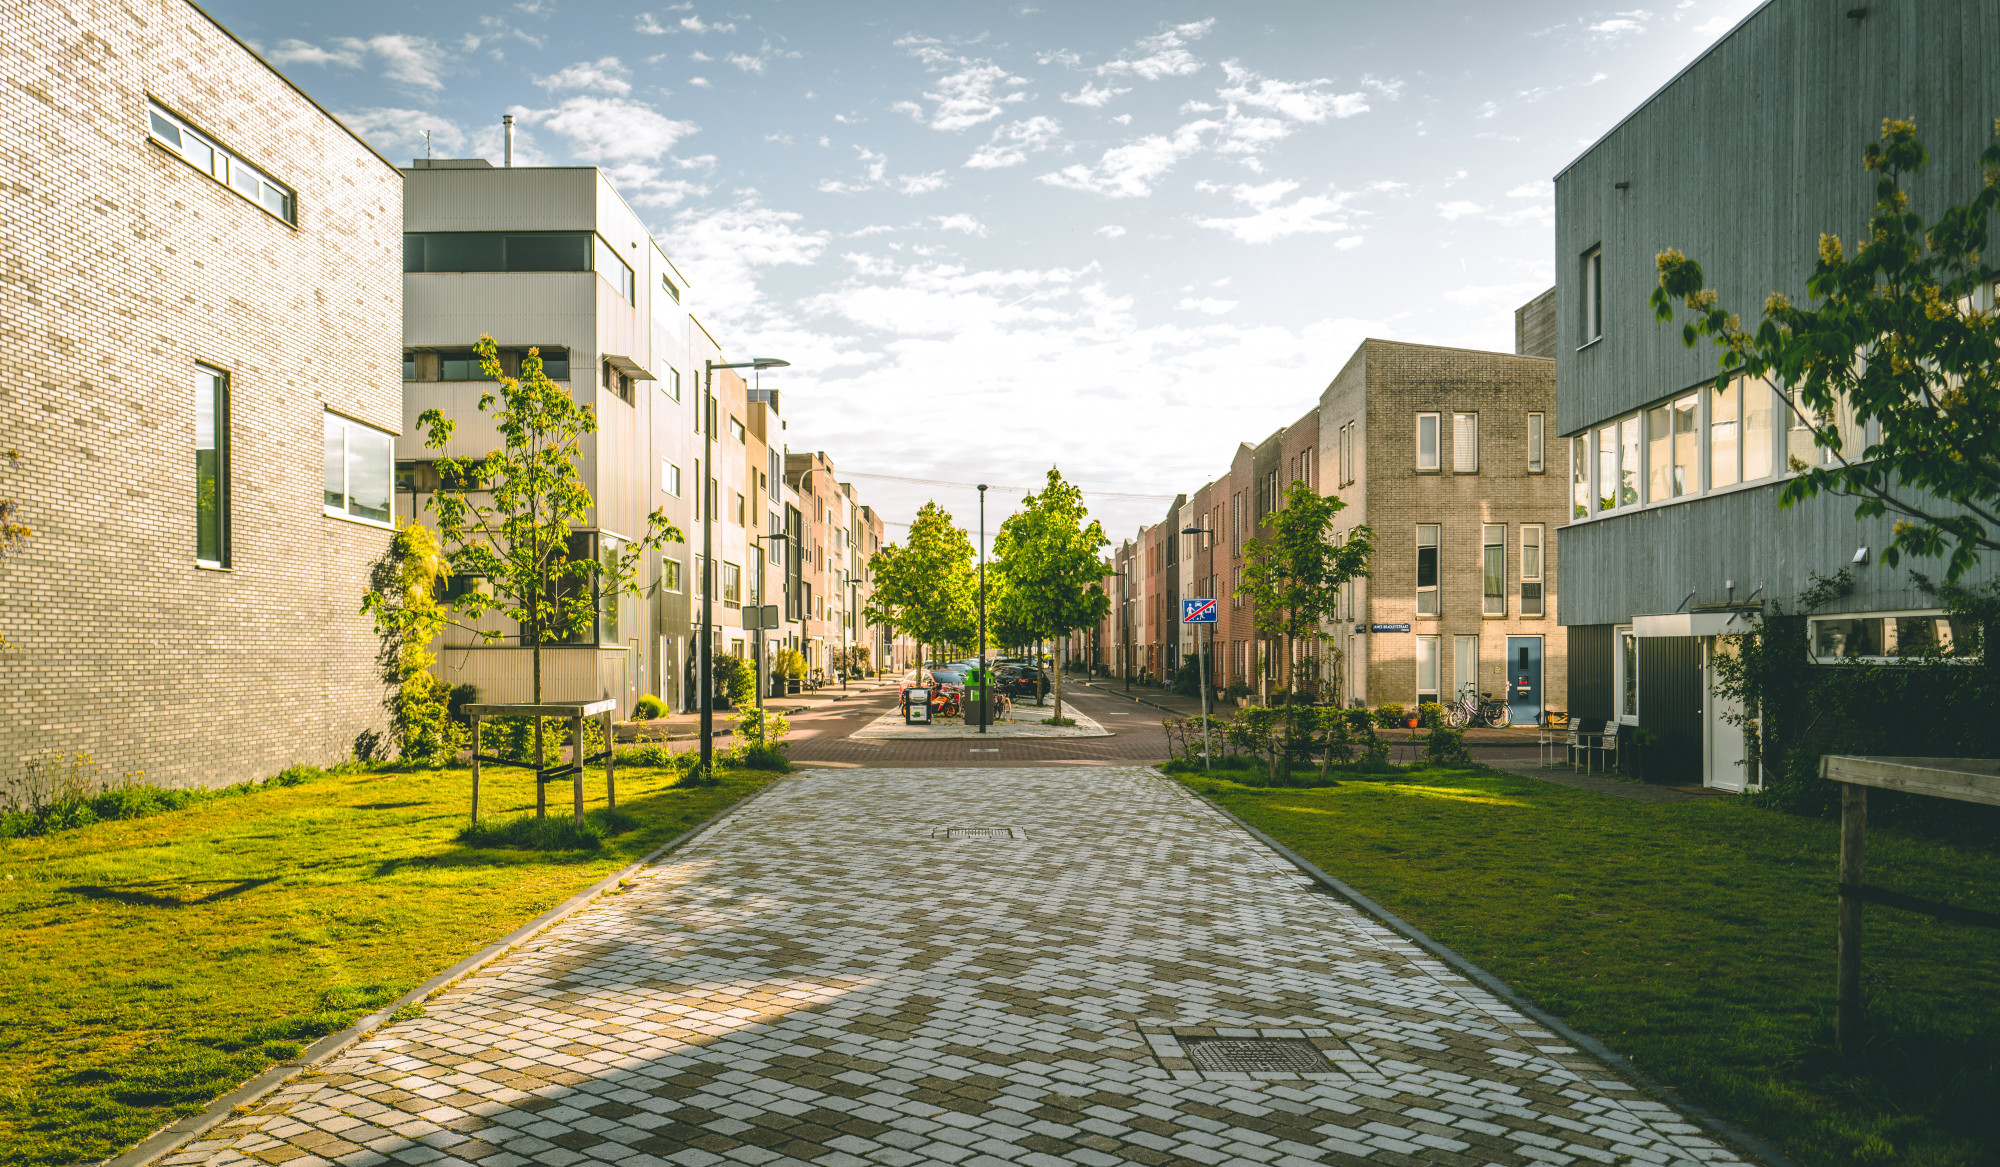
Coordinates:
column 507, row 120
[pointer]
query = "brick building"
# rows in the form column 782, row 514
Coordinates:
column 204, row 266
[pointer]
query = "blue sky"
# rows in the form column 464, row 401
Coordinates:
column 1116, row 237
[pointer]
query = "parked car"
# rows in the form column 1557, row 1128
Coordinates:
column 1019, row 680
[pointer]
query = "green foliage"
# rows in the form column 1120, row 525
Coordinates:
column 1374, row 751
column 648, row 707
column 1050, row 580
column 790, row 663
column 760, row 725
column 555, row 833
column 734, row 678
column 757, row 755
column 1390, row 714
column 513, row 738
column 1430, row 715
column 1237, row 690
column 1294, row 570
column 1445, row 746
column 520, row 545
column 63, row 792
column 403, row 587
column 1894, row 342
column 926, row 587
column 1187, row 679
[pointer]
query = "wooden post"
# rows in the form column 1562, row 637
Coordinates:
column 576, row 756
column 1847, row 1025
column 541, row 786
column 610, row 763
column 475, row 769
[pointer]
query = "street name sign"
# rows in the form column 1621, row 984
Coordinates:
column 1388, row 628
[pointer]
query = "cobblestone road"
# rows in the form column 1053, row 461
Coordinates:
column 1033, row 967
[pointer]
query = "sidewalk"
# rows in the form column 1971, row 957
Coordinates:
column 682, row 726
column 1023, row 720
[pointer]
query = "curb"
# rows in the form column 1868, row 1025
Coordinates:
column 1138, row 700
column 1738, row 1138
column 173, row 1136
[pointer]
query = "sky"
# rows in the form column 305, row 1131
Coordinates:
column 1115, row 238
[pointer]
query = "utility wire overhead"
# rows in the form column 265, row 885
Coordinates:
column 992, row 486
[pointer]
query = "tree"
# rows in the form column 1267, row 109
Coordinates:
column 1897, row 341
column 1047, row 555
column 1294, row 571
column 402, row 595
column 509, row 519
column 926, row 588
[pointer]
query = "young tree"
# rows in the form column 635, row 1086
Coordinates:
column 926, row 588
column 1898, row 341
column 1047, row 555
column 509, row 519
column 402, row 595
column 1294, row 571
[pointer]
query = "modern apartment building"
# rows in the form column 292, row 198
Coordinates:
column 1674, row 529
column 202, row 264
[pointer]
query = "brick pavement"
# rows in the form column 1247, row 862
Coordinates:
column 831, row 977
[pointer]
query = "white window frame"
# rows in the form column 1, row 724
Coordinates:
column 1464, row 653
column 670, row 478
column 1435, row 644
column 1436, row 421
column 671, row 383
column 209, row 156
column 1465, row 443
column 1492, row 539
column 1434, row 591
column 1534, row 535
column 612, row 266
column 1538, row 443
column 348, row 426
column 1619, row 681
column 1579, row 476
column 1593, row 296
column 671, row 580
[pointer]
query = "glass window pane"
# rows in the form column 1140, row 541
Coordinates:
column 1723, row 431
column 1659, row 454
column 246, row 180
column 463, row 251
column 1493, row 567
column 607, row 592
column 1579, row 476
column 413, row 251
column 370, row 472
column 1628, row 674
column 1833, row 639
column 1465, row 443
column 211, row 468
column 1535, row 422
column 555, row 364
column 1427, row 668
column 613, row 268
column 1427, row 441
column 568, row 251
column 1687, row 446
column 336, row 463
column 1628, row 470
column 1759, row 402
column 1607, row 468
column 166, row 131
column 1798, row 435
column 1531, row 552
column 409, row 366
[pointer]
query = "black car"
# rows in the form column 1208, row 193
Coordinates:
column 1021, row 680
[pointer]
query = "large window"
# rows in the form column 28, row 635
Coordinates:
column 1465, row 665
column 464, row 364
column 211, row 467
column 1725, row 435
column 360, row 470
column 497, row 251
column 212, row 159
column 1715, row 438
column 1625, row 676
column 1593, row 294
column 1427, row 569
column 1890, row 636
column 1607, row 468
column 1465, row 443
column 670, row 575
column 1427, row 668
column 607, row 590
column 1493, row 568
column 1427, row 441
column 615, row 270
column 1536, row 424
column 732, row 585
column 1531, row 570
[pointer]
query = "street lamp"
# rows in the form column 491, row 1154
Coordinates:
column 707, row 499
column 986, row 682
column 1201, row 657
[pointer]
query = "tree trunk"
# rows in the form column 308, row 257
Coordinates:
column 1060, row 645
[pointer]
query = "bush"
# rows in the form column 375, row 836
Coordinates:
column 1430, row 715
column 759, row 756
column 660, row 755
column 1237, row 690
column 1446, row 747
column 1390, row 714
column 648, row 707
column 1187, row 679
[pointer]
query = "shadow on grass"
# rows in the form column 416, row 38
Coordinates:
column 128, row 893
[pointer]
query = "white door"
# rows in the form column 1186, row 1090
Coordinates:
column 1722, row 739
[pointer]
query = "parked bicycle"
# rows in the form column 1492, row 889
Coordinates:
column 1484, row 709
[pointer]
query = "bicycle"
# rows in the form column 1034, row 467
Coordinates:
column 1486, row 709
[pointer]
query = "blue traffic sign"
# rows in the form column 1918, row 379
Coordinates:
column 1198, row 612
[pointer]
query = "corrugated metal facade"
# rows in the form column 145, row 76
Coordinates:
column 1590, row 674
column 1670, row 709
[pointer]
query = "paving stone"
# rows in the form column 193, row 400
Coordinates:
column 835, row 977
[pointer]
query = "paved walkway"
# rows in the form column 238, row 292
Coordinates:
column 987, row 968
column 1022, row 719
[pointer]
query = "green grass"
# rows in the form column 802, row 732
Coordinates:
column 148, row 965
column 1697, row 939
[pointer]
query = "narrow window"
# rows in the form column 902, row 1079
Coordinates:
column 1427, row 441
column 732, row 585
column 739, row 508
column 1579, row 476
column 1799, row 453
column 670, row 382
column 360, row 470
column 1659, row 453
column 1687, row 446
column 1427, row 569
column 1427, row 669
column 701, row 577
column 1593, row 294
column 607, row 594
column 667, row 286
column 1531, row 570
column 1627, row 676
column 1759, row 400
column 1535, row 427
column 1465, row 666
column 1724, row 434
column 670, row 478
column 736, row 431
column 409, row 366
column 211, row 467
column 670, row 574
column 615, row 271
column 218, row 163
column 1607, row 467
column 1465, row 443
column 1493, row 568
column 555, row 363
column 1628, row 469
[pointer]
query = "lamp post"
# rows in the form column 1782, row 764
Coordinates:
column 763, row 666
column 707, row 499
column 1201, row 657
column 985, row 682
column 853, row 625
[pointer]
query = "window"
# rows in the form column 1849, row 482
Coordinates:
column 1625, row 676
column 555, row 363
column 1724, row 434
column 1579, row 476
column 1427, row 441
column 619, row 382
column 1344, row 472
column 738, row 516
column 670, row 478
column 1535, row 428
column 360, row 470
column 732, row 585
column 615, row 271
column 1427, row 569
column 211, row 467
column 1593, row 294
column 701, row 577
column 1759, row 433
column 1493, row 568
column 1427, row 669
column 736, row 431
column 670, row 382
column 1607, row 467
column 1531, row 570
column 607, row 591
column 670, row 574
column 1465, row 666
column 205, row 155
column 1890, row 636
column 667, row 286
column 1465, row 443
column 1628, row 469
column 496, row 251
column 409, row 366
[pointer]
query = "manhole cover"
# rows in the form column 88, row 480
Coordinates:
column 1250, row 1055
column 979, row 834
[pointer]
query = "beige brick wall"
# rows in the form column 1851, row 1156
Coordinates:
column 124, row 267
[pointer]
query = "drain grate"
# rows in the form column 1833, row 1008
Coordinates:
column 979, row 834
column 1249, row 1055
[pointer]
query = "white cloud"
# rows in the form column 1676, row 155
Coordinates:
column 729, row 245
column 611, row 129
column 1488, row 109
column 700, row 56
column 1123, row 119
column 779, row 136
column 604, row 75
column 701, row 83
column 411, row 61
column 960, row 222
column 1110, row 231
column 1012, row 143
column 874, row 167
column 1305, row 101
column 1166, row 53
column 966, row 92
column 692, row 23
column 297, row 52
column 1348, row 242
column 649, row 26
column 1531, row 190
column 1272, row 218
column 1390, row 90
column 916, row 184
column 1093, row 96
column 1623, row 24
column 746, row 62
column 1208, row 306
column 1129, row 171
column 399, row 131
column 1458, row 210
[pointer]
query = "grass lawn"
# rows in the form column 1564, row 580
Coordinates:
column 148, row 965
column 1696, row 938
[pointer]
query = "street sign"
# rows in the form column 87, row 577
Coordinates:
column 755, row 617
column 1198, row 612
column 1388, row 628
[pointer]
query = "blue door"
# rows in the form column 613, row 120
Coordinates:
column 1524, row 679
